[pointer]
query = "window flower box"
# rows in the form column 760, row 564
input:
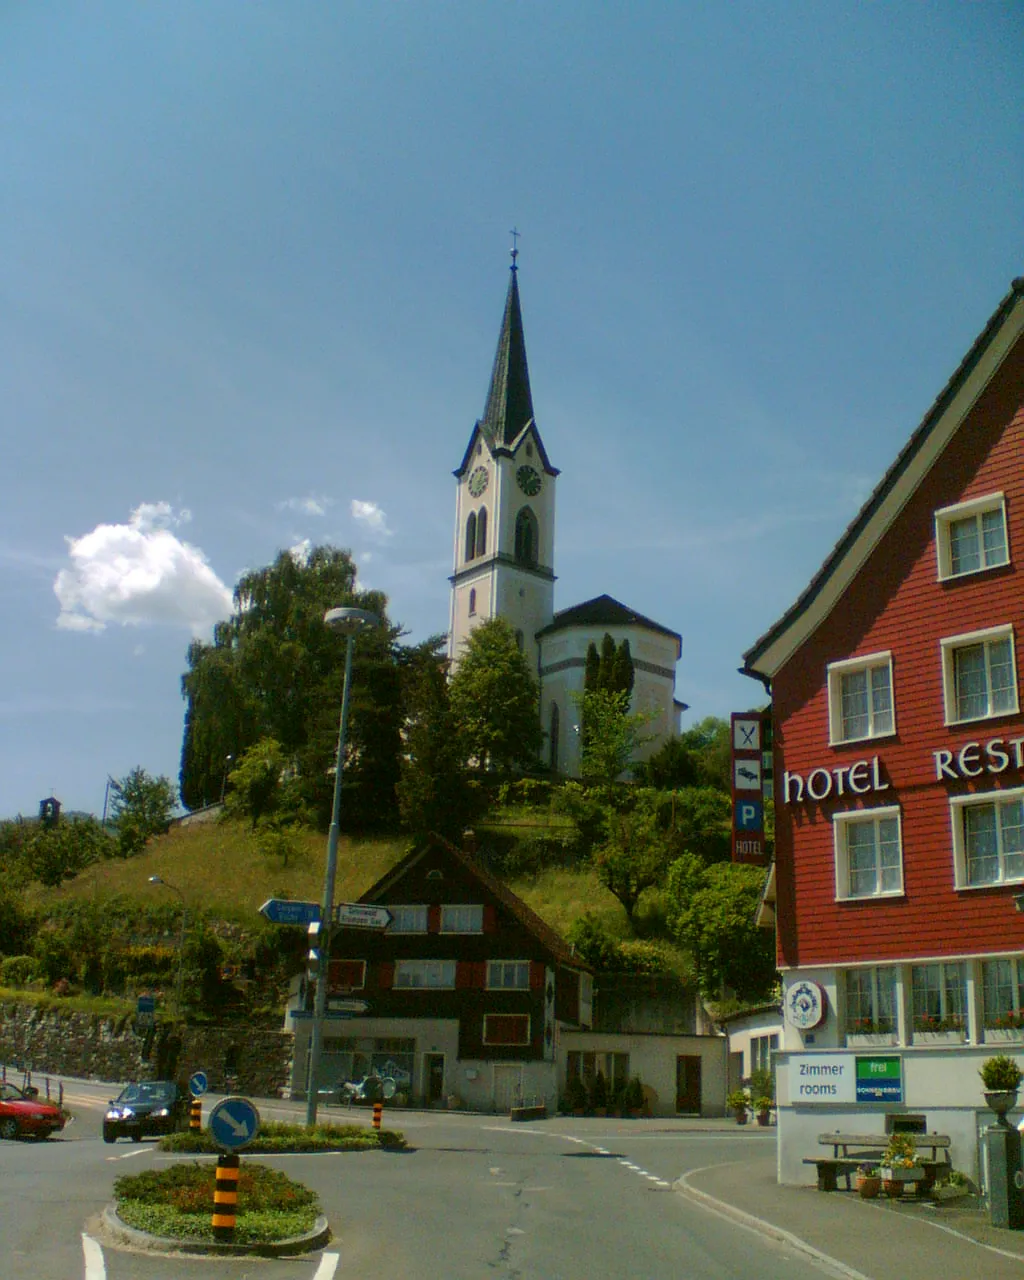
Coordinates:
column 913, row 1174
column 939, row 1037
column 1004, row 1035
column 867, row 1039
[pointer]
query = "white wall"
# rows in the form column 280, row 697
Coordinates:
column 653, row 1059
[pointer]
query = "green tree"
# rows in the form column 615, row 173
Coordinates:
column 435, row 793
column 613, row 734
column 710, row 745
column 712, row 913
column 59, row 853
column 495, row 700
column 275, row 670
column 637, row 852
column 141, row 806
column 255, row 782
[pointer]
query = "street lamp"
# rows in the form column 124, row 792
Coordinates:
column 181, row 941
column 224, row 779
column 349, row 623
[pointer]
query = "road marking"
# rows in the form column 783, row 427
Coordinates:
column 128, row 1155
column 328, row 1266
column 94, row 1268
column 514, row 1231
column 495, row 1171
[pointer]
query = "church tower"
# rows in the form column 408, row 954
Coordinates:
column 505, row 505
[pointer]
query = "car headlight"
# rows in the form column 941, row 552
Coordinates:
column 113, row 1114
column 162, row 1112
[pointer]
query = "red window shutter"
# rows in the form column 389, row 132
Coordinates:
column 342, row 974
column 434, row 918
column 386, row 974
column 490, row 918
column 536, row 975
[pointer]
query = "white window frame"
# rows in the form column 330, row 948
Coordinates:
column 439, row 975
column 452, row 908
column 949, row 647
column 509, row 1044
column 957, row 805
column 395, row 927
column 840, row 824
column 952, row 975
column 851, row 666
column 948, row 516
column 505, row 965
column 891, row 982
column 991, row 1019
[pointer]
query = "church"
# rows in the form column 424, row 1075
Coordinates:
column 505, row 565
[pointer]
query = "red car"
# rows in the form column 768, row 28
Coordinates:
column 23, row 1115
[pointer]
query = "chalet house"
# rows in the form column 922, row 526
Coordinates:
column 467, row 991
column 899, row 781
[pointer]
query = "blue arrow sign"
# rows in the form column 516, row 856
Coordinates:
column 284, row 911
column 198, row 1084
column 234, row 1123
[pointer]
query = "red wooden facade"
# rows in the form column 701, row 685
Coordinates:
column 880, row 593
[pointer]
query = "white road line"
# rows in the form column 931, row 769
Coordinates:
column 328, row 1266
column 128, row 1155
column 94, row 1267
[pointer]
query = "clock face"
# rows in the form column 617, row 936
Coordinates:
column 478, row 481
column 529, row 481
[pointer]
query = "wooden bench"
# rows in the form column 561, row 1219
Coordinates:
column 852, row 1149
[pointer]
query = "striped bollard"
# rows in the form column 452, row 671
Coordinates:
column 225, row 1199
column 378, row 1114
column 195, row 1116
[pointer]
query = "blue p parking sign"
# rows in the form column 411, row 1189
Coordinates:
column 749, row 815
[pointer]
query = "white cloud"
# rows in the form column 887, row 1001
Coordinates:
column 311, row 506
column 139, row 573
column 372, row 516
column 365, row 557
column 300, row 552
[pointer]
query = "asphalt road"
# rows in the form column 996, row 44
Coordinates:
column 475, row 1197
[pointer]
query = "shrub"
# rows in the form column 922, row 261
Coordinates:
column 1000, row 1074
column 575, row 1094
column 16, row 971
column 599, row 1091
column 737, row 1100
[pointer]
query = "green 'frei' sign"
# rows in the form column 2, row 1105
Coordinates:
column 880, row 1079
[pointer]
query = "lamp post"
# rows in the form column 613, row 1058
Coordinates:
column 181, row 940
column 224, row 779
column 349, row 623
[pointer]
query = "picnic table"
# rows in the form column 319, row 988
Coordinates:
column 852, row 1149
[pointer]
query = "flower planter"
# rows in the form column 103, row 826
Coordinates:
column 869, row 1039
column 868, row 1186
column 939, row 1037
column 1001, row 1101
column 1004, row 1035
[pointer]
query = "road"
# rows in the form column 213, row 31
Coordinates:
column 475, row 1197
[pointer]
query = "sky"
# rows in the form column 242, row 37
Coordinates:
column 254, row 263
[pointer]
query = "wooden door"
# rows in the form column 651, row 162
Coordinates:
column 688, row 1083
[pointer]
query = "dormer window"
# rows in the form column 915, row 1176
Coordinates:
column 971, row 537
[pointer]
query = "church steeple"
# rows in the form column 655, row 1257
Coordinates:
column 509, row 404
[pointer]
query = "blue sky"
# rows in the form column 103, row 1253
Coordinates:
column 255, row 257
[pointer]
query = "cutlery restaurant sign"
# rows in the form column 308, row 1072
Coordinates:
column 826, row 1078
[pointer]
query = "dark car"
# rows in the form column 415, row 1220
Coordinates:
column 146, row 1108
column 22, row 1114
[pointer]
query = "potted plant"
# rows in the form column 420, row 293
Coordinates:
column 599, row 1094
column 1001, row 1077
column 634, row 1100
column 868, row 1181
column 736, row 1101
column 575, row 1096
column 899, row 1164
column 762, row 1091
column 763, row 1109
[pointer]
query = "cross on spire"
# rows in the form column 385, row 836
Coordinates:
column 515, row 252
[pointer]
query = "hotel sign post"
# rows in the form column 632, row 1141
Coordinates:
column 751, row 784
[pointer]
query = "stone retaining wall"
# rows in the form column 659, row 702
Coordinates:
column 61, row 1042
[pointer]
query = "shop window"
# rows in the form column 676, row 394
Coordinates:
column 508, row 975
column 979, row 677
column 870, row 1001
column 939, row 995
column 860, row 703
column 971, row 537
column 408, row 919
column 988, row 838
column 506, row 1028
column 1002, row 987
column 461, row 918
column 868, row 853
column 425, row 974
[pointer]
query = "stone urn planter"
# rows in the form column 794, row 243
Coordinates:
column 1001, row 1101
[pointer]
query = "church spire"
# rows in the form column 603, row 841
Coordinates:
column 509, row 403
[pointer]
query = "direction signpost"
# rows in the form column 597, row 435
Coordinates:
column 359, row 915
column 284, row 911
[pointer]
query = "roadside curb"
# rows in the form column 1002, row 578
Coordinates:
column 761, row 1226
column 314, row 1239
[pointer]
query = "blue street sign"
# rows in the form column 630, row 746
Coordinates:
column 198, row 1084
column 234, row 1123
column 284, row 911
column 146, row 1004
column 749, row 815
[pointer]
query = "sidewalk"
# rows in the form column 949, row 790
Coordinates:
column 881, row 1239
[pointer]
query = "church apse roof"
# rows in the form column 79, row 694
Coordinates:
column 604, row 611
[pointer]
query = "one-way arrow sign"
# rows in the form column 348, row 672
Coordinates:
column 357, row 915
column 284, row 911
